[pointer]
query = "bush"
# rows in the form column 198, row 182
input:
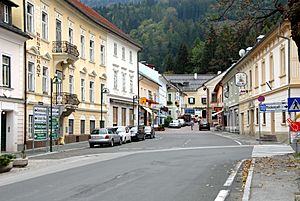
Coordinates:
column 167, row 121
column 5, row 160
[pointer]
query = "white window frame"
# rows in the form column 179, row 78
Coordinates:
column 92, row 91
column 130, row 56
column 124, row 82
column 45, row 80
column 30, row 18
column 115, row 79
column 92, row 50
column 115, row 49
column 71, row 35
column 45, row 25
column 123, row 53
column 71, row 84
column 102, row 55
column 6, row 72
column 82, row 89
column 6, row 14
column 82, row 45
column 131, row 84
column 31, row 76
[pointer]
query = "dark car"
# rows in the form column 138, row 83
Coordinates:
column 203, row 124
column 149, row 131
column 138, row 133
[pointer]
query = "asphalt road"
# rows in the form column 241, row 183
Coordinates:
column 178, row 165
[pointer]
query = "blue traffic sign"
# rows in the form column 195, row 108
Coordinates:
column 262, row 107
column 294, row 104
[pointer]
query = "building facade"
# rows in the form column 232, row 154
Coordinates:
column 12, row 79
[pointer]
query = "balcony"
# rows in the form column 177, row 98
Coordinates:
column 64, row 53
column 68, row 101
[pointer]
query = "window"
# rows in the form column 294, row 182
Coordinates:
column 264, row 118
column 82, row 127
column 92, row 91
column 257, row 116
column 30, row 18
column 263, row 72
column 5, row 71
column 6, row 14
column 71, row 35
column 131, row 84
column 203, row 101
column 250, row 80
column 124, row 82
column 82, row 46
column 59, row 86
column 150, row 97
column 123, row 53
column 256, row 76
column 71, row 126
column 44, row 25
column 102, row 54
column 45, row 80
column 30, row 126
column 71, row 84
column 130, row 56
column 92, row 125
column 214, row 97
column 271, row 68
column 169, row 97
column 115, row 79
column 92, row 53
column 31, row 77
column 82, row 89
column 191, row 100
column 115, row 49
column 283, row 121
column 131, row 119
column 123, row 116
column 248, row 117
column 115, row 116
column 282, row 61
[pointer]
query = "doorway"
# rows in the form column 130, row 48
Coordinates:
column 272, row 123
column 3, row 131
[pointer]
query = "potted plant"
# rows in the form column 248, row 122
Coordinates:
column 22, row 161
column 6, row 163
column 161, row 127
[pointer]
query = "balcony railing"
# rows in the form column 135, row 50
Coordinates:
column 66, row 99
column 65, row 47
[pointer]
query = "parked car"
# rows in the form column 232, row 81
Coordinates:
column 182, row 122
column 101, row 136
column 138, row 133
column 149, row 131
column 123, row 131
column 203, row 124
column 175, row 124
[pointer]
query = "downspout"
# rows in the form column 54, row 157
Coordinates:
column 25, row 80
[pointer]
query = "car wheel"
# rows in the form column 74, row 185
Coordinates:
column 144, row 138
column 111, row 143
column 91, row 146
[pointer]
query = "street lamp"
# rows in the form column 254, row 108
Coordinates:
column 57, row 81
column 134, row 98
column 103, row 91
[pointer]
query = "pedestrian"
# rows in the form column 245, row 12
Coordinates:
column 192, row 125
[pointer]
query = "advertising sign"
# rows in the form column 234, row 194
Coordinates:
column 240, row 79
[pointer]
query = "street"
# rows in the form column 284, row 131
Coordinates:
column 179, row 164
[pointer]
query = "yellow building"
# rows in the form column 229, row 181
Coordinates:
column 69, row 47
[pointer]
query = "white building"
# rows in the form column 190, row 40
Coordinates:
column 11, row 80
column 122, row 80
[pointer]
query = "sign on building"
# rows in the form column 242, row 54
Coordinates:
column 273, row 107
column 293, row 104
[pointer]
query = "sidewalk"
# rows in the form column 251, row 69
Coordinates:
column 276, row 175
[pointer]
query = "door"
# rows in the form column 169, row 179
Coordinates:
column 3, row 131
column 273, row 123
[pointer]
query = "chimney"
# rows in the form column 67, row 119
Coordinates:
column 195, row 76
column 219, row 72
column 258, row 39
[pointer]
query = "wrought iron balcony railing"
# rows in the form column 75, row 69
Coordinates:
column 65, row 47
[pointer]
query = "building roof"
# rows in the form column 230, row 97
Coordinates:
column 188, row 81
column 100, row 20
column 9, row 3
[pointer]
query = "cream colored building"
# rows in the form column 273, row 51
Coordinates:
column 69, row 42
column 272, row 69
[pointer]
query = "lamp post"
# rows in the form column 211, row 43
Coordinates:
column 134, row 98
column 56, row 81
column 103, row 91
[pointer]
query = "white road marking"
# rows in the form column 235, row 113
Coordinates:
column 233, row 174
column 222, row 195
column 238, row 142
column 186, row 142
column 271, row 150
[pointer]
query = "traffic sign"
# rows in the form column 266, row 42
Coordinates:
column 261, row 98
column 293, row 104
column 273, row 107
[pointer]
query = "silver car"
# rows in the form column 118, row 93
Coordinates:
column 149, row 131
column 101, row 136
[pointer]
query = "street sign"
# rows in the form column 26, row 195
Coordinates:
column 273, row 107
column 261, row 98
column 293, row 104
column 40, row 116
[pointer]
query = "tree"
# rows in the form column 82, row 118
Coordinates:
column 182, row 64
column 254, row 12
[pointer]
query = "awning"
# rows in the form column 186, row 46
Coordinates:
column 147, row 109
column 217, row 113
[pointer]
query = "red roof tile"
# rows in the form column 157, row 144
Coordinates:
column 96, row 17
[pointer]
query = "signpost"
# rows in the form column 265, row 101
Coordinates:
column 293, row 104
column 273, row 107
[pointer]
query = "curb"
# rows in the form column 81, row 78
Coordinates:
column 246, row 195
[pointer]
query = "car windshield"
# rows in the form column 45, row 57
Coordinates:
column 99, row 131
column 175, row 121
column 121, row 129
column 134, row 128
column 204, row 121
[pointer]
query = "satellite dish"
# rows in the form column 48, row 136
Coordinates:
column 242, row 52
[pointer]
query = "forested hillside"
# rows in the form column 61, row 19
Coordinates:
column 177, row 35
